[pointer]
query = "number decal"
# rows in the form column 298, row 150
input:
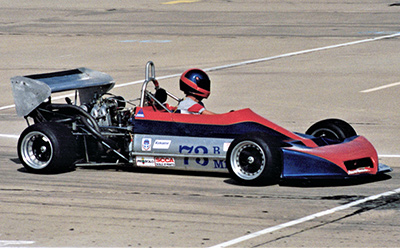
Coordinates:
column 197, row 150
column 205, row 151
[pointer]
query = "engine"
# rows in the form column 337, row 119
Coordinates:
column 109, row 111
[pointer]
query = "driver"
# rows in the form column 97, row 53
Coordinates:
column 196, row 86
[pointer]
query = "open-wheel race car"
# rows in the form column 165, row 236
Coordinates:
column 96, row 127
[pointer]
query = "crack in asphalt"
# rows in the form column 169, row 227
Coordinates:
column 345, row 198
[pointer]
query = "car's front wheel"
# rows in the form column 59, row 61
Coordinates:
column 252, row 160
column 334, row 129
column 47, row 147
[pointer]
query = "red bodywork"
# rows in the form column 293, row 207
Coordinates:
column 351, row 149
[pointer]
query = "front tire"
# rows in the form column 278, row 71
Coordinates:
column 334, row 129
column 47, row 147
column 252, row 160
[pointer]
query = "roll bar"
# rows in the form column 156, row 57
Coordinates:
column 150, row 76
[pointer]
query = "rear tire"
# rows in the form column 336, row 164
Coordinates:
column 252, row 160
column 47, row 147
column 334, row 129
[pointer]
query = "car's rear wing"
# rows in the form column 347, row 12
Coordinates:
column 32, row 90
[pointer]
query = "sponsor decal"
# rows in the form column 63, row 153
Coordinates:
column 226, row 146
column 358, row 171
column 164, row 161
column 146, row 144
column 140, row 113
column 145, row 161
column 162, row 144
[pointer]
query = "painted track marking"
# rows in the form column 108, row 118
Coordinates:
column 380, row 87
column 304, row 52
column 389, row 156
column 11, row 136
column 7, row 107
column 15, row 242
column 247, row 62
column 181, row 1
column 305, row 219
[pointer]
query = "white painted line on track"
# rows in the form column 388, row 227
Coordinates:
column 54, row 98
column 380, row 87
column 11, row 136
column 141, row 81
column 304, row 219
column 7, row 107
column 303, row 52
column 285, row 55
column 15, row 242
column 389, row 156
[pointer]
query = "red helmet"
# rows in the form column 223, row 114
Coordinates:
column 195, row 82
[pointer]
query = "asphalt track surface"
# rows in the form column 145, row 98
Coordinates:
column 294, row 62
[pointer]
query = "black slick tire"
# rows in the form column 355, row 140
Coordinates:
column 334, row 129
column 47, row 147
column 254, row 160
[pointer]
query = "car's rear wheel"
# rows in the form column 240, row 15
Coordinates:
column 251, row 160
column 334, row 129
column 47, row 147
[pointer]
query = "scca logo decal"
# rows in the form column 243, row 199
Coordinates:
column 164, row 161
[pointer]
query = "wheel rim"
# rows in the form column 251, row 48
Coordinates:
column 326, row 133
column 247, row 160
column 36, row 150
